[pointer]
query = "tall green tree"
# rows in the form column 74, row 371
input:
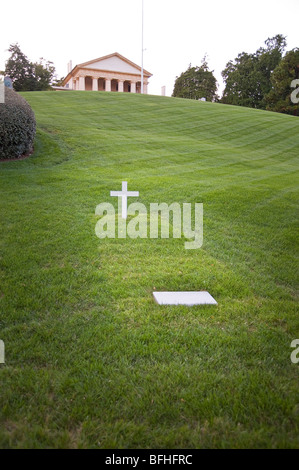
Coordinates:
column 195, row 83
column 28, row 76
column 43, row 72
column 248, row 77
column 284, row 96
column 19, row 69
column 241, row 81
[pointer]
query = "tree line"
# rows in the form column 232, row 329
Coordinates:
column 264, row 79
column 27, row 75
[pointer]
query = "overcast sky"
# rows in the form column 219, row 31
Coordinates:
column 176, row 32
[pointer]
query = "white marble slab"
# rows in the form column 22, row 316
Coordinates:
column 184, row 298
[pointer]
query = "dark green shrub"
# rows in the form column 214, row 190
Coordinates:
column 17, row 126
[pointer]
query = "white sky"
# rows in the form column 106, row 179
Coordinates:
column 176, row 32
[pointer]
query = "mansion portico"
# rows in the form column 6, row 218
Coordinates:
column 109, row 73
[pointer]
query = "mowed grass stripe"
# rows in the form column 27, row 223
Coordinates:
column 91, row 360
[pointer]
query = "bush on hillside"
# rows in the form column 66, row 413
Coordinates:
column 17, row 126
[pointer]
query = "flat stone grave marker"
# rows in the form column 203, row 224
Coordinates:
column 184, row 298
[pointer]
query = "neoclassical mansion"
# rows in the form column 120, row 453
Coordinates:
column 109, row 73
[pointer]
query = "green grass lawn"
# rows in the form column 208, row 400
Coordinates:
column 91, row 360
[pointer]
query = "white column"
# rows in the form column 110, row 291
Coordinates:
column 81, row 83
column 145, row 88
column 120, row 85
column 133, row 87
column 108, row 85
column 94, row 84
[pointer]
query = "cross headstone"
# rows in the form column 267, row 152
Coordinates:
column 124, row 194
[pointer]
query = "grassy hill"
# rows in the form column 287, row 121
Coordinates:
column 91, row 360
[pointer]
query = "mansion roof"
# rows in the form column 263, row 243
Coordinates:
column 110, row 63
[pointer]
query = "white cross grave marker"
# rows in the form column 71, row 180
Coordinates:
column 124, row 194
